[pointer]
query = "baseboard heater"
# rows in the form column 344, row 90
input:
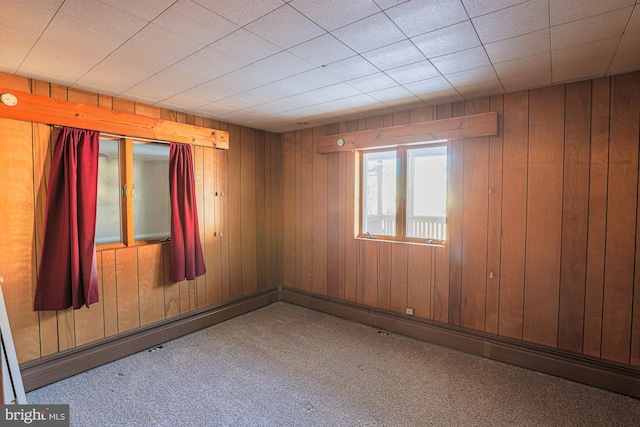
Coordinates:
column 609, row 376
column 606, row 375
column 71, row 362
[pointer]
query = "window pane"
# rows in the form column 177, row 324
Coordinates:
column 379, row 186
column 151, row 206
column 108, row 206
column 427, row 192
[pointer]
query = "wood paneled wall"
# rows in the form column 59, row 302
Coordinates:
column 240, row 205
column 542, row 223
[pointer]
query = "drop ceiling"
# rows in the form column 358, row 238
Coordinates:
column 283, row 65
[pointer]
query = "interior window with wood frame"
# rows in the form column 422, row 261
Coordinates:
column 403, row 193
column 133, row 192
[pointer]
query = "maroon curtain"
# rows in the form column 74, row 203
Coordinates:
column 67, row 276
column 187, row 261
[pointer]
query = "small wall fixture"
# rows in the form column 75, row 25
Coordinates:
column 340, row 142
column 8, row 99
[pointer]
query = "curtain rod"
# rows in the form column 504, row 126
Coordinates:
column 113, row 135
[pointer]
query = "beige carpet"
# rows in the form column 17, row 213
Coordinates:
column 284, row 365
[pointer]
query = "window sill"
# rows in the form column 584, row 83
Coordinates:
column 112, row 246
column 390, row 239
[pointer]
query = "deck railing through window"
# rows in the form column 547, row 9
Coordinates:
column 428, row 227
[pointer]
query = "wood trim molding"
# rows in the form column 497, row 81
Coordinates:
column 477, row 125
column 582, row 369
column 67, row 363
column 41, row 109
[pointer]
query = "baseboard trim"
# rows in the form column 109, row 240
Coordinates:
column 67, row 363
column 609, row 376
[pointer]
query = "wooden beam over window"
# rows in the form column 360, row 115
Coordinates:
column 34, row 108
column 477, row 125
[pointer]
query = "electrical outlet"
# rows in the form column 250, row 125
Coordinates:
column 409, row 311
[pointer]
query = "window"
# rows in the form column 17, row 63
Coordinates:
column 133, row 192
column 404, row 193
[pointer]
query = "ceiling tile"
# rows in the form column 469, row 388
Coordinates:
column 390, row 94
column 148, row 91
column 482, row 7
column 245, row 46
column 394, row 55
column 332, row 14
column 386, row 4
column 23, row 20
column 626, row 57
column 154, row 38
column 372, row 82
column 481, row 90
column 182, row 102
column 351, row 68
column 141, row 64
column 442, row 97
column 417, row 17
column 520, row 46
column 369, row 33
column 535, row 68
column 146, row 9
column 211, row 62
column 101, row 83
column 303, row 82
column 424, row 87
column 50, row 71
column 99, row 17
column 453, row 38
column 413, row 72
column 195, row 22
column 241, row 12
column 13, row 49
column 322, row 50
column 285, row 27
column 461, row 61
column 563, row 11
column 634, row 22
column 482, row 75
column 590, row 29
column 513, row 21
column 584, row 61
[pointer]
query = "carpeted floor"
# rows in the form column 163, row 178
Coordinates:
column 284, row 365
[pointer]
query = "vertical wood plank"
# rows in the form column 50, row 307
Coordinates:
column 370, row 273
column 455, row 221
column 222, row 163
column 384, row 275
column 277, row 216
column 109, row 296
column 211, row 227
column 350, row 250
column 475, row 211
column 575, row 214
column 248, row 211
column 598, row 175
column 127, row 289
column 171, row 289
column 289, row 209
column 200, row 290
column 298, row 209
column 419, row 280
column 19, row 269
column 306, row 210
column 261, row 192
column 333, row 233
column 621, row 219
column 361, row 271
column 319, row 215
column 151, row 284
column 544, row 216
column 494, row 227
column 234, row 198
column 514, row 213
column 399, row 282
column 89, row 322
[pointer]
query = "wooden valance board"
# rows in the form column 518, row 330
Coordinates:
column 41, row 109
column 473, row 126
column 12, row 387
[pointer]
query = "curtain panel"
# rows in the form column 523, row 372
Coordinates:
column 186, row 260
column 67, row 275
